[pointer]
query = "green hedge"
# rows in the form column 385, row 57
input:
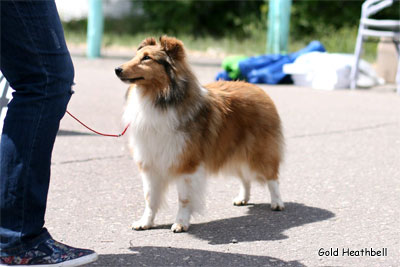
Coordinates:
column 236, row 26
column 234, row 18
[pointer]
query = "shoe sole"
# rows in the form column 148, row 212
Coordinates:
column 71, row 263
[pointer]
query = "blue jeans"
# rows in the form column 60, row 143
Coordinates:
column 36, row 62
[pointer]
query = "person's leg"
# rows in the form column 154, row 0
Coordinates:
column 36, row 62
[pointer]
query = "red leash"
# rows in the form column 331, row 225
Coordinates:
column 110, row 135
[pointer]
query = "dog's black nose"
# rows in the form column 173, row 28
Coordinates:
column 118, row 71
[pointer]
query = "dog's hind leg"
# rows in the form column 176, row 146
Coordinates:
column 276, row 201
column 190, row 192
column 244, row 193
column 245, row 175
column 153, row 189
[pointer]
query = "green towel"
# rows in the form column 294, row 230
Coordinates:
column 231, row 65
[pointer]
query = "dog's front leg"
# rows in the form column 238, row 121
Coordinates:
column 182, row 221
column 190, row 192
column 153, row 189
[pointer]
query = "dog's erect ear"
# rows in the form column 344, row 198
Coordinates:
column 173, row 47
column 146, row 42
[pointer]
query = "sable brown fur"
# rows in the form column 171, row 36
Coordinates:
column 237, row 123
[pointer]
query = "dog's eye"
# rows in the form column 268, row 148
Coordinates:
column 146, row 58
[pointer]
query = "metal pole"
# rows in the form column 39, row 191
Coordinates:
column 278, row 26
column 95, row 28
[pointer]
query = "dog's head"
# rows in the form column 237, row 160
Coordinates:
column 154, row 65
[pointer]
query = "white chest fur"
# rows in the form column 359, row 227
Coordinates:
column 156, row 142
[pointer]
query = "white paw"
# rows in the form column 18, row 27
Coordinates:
column 179, row 228
column 142, row 225
column 277, row 205
column 240, row 201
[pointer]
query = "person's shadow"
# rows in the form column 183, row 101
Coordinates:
column 72, row 133
column 168, row 256
column 260, row 224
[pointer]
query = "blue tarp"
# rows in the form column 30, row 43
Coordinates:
column 268, row 68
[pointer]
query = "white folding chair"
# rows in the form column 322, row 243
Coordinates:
column 375, row 28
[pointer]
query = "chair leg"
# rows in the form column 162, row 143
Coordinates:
column 357, row 55
column 398, row 70
column 397, row 45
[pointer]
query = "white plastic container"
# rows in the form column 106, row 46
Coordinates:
column 326, row 71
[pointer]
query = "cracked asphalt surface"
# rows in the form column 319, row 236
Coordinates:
column 340, row 183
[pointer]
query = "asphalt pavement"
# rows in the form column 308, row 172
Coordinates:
column 340, row 182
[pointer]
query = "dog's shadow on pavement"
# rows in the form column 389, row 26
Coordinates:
column 169, row 256
column 259, row 224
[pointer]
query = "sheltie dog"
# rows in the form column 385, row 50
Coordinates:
column 183, row 132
